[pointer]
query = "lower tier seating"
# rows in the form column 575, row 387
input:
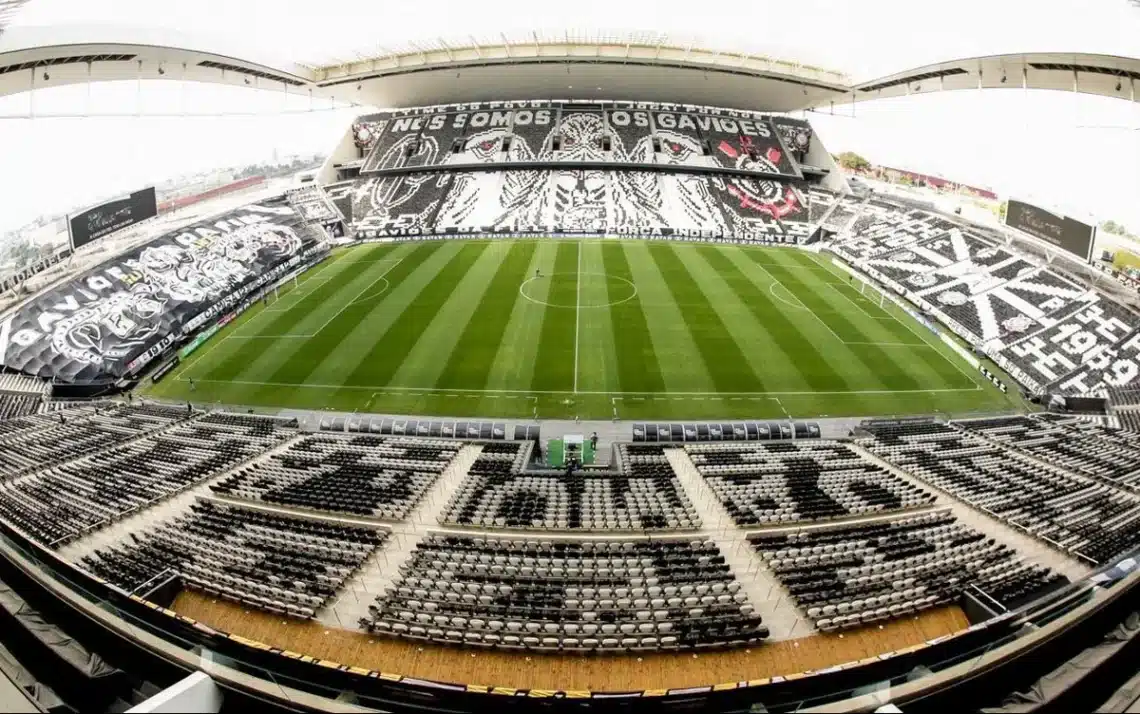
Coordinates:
column 78, row 434
column 1071, row 442
column 61, row 503
column 357, row 474
column 645, row 495
column 851, row 575
column 13, row 406
column 1076, row 513
column 289, row 566
column 782, row 482
column 567, row 595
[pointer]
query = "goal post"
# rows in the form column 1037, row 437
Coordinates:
column 872, row 294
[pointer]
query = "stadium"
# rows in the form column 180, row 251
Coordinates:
column 579, row 373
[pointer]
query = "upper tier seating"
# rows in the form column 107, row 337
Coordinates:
column 359, row 474
column 787, row 481
column 284, row 565
column 67, row 435
column 1072, row 443
column 621, row 202
column 1078, row 514
column 570, row 595
column 851, row 575
column 644, row 496
column 60, row 504
column 990, row 293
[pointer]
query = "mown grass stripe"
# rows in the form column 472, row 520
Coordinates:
column 514, row 362
column 322, row 297
column 816, row 371
column 933, row 357
column 474, row 354
column 554, row 366
column 722, row 356
column 637, row 364
column 313, row 351
column 846, row 298
column 893, row 369
column 391, row 348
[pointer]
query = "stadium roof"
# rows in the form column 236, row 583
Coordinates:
column 758, row 54
column 862, row 39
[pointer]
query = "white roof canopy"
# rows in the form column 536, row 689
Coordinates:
column 865, row 39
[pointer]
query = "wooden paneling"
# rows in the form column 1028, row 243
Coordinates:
column 594, row 672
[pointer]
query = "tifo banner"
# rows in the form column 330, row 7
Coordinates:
column 118, row 317
column 574, row 133
column 1057, row 230
column 94, row 223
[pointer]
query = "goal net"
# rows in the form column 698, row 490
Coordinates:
column 872, row 294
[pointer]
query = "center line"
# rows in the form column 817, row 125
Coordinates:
column 577, row 313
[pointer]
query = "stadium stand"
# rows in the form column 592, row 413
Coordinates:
column 46, row 440
column 284, row 565
column 1073, row 513
column 21, row 395
column 631, row 136
column 399, row 205
column 1069, row 353
column 60, row 504
column 678, row 142
column 851, row 575
column 644, row 495
column 788, row 482
column 575, row 595
column 174, row 285
column 1048, row 330
column 1072, row 443
column 359, row 474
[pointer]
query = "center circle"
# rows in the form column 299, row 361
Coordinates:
column 578, row 290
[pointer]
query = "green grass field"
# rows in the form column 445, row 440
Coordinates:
column 653, row 330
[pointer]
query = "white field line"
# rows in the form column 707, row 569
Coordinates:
column 348, row 304
column 236, row 334
column 920, row 336
column 816, row 315
column 835, row 287
column 772, row 289
column 380, row 389
column 577, row 314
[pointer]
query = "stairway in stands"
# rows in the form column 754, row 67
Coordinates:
column 764, row 591
column 382, row 570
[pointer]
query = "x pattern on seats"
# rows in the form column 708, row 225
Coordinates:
column 782, row 482
column 357, row 474
column 280, row 564
column 571, row 595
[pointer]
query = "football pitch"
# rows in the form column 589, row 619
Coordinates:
column 590, row 328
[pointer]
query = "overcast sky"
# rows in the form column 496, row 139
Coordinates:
column 1076, row 152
